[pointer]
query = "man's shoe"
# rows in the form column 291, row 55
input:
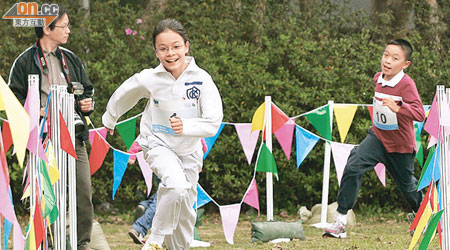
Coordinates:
column 337, row 230
column 137, row 237
column 150, row 246
column 140, row 210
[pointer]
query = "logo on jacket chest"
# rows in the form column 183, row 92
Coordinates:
column 193, row 93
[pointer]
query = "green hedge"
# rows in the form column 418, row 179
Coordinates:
column 302, row 53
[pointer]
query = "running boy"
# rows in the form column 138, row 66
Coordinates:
column 390, row 140
column 184, row 106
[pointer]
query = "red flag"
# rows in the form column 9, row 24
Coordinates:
column 98, row 153
column 370, row 108
column 279, row 118
column 65, row 140
column 6, row 133
column 38, row 223
column 3, row 161
column 419, row 213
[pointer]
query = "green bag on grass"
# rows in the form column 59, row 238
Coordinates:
column 269, row 230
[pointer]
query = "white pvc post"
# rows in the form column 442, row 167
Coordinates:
column 269, row 178
column 442, row 96
column 326, row 176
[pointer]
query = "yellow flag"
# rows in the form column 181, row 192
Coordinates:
column 258, row 118
column 53, row 171
column 88, row 120
column 18, row 118
column 344, row 116
column 26, row 193
column 421, row 225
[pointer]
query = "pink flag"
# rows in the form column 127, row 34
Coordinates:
column 32, row 104
column 341, row 152
column 146, row 171
column 433, row 141
column 251, row 197
column 19, row 240
column 34, row 143
column 380, row 169
column 432, row 123
column 248, row 139
column 284, row 136
column 445, row 114
column 230, row 217
column 103, row 132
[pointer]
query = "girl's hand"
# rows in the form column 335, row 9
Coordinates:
column 177, row 124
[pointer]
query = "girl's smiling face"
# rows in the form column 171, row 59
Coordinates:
column 171, row 50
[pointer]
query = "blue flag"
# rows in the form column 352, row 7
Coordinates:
column 305, row 142
column 211, row 140
column 433, row 164
column 202, row 197
column 120, row 165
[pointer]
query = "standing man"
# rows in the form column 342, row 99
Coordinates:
column 59, row 66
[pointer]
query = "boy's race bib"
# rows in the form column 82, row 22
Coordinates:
column 163, row 110
column 383, row 117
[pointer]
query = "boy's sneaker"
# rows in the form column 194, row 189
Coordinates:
column 337, row 230
column 150, row 246
column 137, row 237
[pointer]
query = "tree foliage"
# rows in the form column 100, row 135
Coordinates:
column 302, row 53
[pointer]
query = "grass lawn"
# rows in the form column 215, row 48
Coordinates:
column 387, row 232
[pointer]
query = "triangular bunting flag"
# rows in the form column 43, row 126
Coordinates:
column 53, row 171
column 127, row 131
column 370, row 108
column 6, row 134
column 279, row 118
column 18, row 119
column 344, row 116
column 230, row 218
column 146, row 171
column 98, row 153
column 341, row 152
column 251, row 196
column 35, row 144
column 320, row 119
column 431, row 229
column 305, row 142
column 284, row 136
column 120, row 166
column 425, row 203
column 432, row 122
column 65, row 139
column 103, row 132
column 202, row 197
column 419, row 147
column 258, row 118
column 380, row 169
column 432, row 166
column 420, row 226
column 247, row 138
column 38, row 223
column 211, row 140
column 7, row 229
column 49, row 195
column 265, row 161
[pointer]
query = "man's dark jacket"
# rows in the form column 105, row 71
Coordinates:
column 28, row 63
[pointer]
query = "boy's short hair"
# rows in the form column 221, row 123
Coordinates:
column 406, row 46
column 40, row 30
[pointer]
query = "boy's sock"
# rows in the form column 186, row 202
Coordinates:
column 156, row 239
column 342, row 218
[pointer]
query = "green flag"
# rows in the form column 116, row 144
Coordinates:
column 266, row 162
column 127, row 131
column 424, row 169
column 432, row 225
column 320, row 119
column 419, row 154
column 49, row 195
